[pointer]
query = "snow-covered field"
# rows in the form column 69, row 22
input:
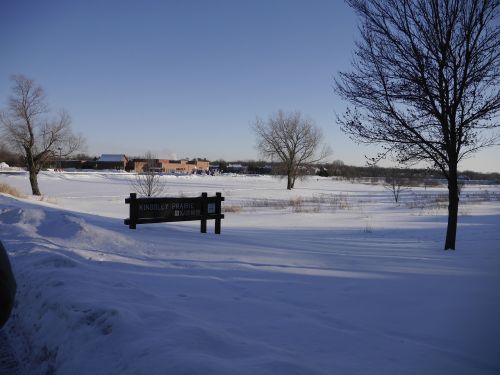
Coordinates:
column 330, row 278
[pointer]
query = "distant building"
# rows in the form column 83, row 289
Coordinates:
column 172, row 166
column 111, row 161
column 185, row 166
column 145, row 165
column 236, row 168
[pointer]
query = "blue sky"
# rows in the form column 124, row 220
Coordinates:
column 186, row 78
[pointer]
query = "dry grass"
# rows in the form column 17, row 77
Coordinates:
column 315, row 204
column 233, row 209
column 7, row 189
column 428, row 201
column 434, row 204
column 332, row 201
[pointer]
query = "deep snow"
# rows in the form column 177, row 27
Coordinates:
column 330, row 278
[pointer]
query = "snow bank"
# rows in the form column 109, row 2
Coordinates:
column 279, row 292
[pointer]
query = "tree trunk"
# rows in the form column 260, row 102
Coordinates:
column 33, row 177
column 451, row 232
column 289, row 182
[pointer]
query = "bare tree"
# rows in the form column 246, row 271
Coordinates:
column 26, row 128
column 148, row 182
column 292, row 140
column 396, row 184
column 425, row 83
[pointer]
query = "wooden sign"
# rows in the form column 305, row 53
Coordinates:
column 161, row 210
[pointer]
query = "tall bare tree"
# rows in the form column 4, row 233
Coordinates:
column 424, row 83
column 292, row 140
column 26, row 128
column 148, row 182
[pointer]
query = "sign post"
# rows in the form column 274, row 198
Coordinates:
column 160, row 210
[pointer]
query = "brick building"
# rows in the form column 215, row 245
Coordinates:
column 172, row 166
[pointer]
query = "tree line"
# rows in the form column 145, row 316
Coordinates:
column 339, row 169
